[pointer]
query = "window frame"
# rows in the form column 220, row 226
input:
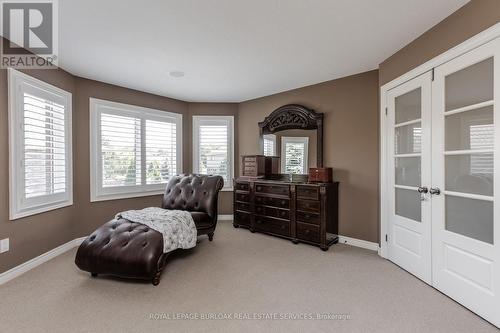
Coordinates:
column 295, row 139
column 216, row 120
column 19, row 206
column 99, row 106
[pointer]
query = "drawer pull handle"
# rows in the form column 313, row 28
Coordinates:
column 283, row 227
column 307, row 231
column 259, row 221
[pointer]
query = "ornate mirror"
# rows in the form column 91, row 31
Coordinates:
column 295, row 133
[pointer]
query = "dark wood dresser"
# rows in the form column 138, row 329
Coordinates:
column 299, row 211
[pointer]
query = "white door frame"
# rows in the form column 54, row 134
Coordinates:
column 471, row 43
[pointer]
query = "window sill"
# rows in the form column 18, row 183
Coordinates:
column 38, row 210
column 118, row 196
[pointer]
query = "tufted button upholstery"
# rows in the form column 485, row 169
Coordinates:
column 123, row 248
column 194, row 193
column 133, row 250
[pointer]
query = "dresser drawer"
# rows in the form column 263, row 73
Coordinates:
column 307, row 217
column 250, row 159
column 242, row 197
column 242, row 206
column 308, row 192
column 275, row 226
column 273, row 189
column 243, row 186
column 308, row 206
column 242, row 218
column 274, row 212
column 274, row 202
column 308, row 232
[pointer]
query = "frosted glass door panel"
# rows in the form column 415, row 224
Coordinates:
column 470, row 217
column 408, row 106
column 471, row 85
column 470, row 130
column 408, row 139
column 408, row 171
column 408, row 204
column 470, row 173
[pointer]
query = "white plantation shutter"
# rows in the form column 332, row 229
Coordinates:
column 135, row 150
column 161, row 151
column 269, row 145
column 213, row 146
column 120, row 150
column 44, row 147
column 294, row 152
column 40, row 146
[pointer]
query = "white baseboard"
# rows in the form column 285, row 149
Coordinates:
column 228, row 217
column 37, row 261
column 358, row 242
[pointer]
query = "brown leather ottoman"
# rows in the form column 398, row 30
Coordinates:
column 123, row 248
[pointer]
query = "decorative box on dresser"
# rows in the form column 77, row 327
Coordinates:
column 299, row 211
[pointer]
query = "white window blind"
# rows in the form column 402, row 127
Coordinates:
column 40, row 146
column 135, row 150
column 213, row 146
column 269, row 145
column 294, row 154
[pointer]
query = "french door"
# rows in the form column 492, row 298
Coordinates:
column 409, row 137
column 444, row 139
column 466, row 140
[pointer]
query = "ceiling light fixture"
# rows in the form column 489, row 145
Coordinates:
column 176, row 73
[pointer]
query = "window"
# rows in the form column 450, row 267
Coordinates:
column 134, row 150
column 294, row 154
column 40, row 146
column 269, row 145
column 213, row 147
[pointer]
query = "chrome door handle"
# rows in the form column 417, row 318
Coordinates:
column 422, row 189
column 435, row 190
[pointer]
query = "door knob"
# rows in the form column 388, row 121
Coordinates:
column 435, row 190
column 422, row 189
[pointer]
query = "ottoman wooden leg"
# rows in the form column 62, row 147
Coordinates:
column 211, row 236
column 93, row 274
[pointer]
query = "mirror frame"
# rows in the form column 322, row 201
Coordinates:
column 294, row 116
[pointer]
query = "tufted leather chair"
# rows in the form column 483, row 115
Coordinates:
column 197, row 194
column 128, row 249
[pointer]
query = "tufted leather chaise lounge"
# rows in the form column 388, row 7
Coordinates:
column 133, row 250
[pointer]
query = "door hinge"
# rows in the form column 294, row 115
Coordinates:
column 432, row 75
column 386, row 237
column 386, row 111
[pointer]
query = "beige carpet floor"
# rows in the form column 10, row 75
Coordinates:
column 252, row 275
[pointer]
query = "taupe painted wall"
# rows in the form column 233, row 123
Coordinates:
column 471, row 19
column 351, row 142
column 36, row 234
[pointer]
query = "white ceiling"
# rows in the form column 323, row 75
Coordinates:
column 235, row 50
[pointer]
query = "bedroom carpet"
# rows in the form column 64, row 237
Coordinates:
column 255, row 276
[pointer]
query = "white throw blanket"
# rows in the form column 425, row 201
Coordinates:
column 176, row 226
